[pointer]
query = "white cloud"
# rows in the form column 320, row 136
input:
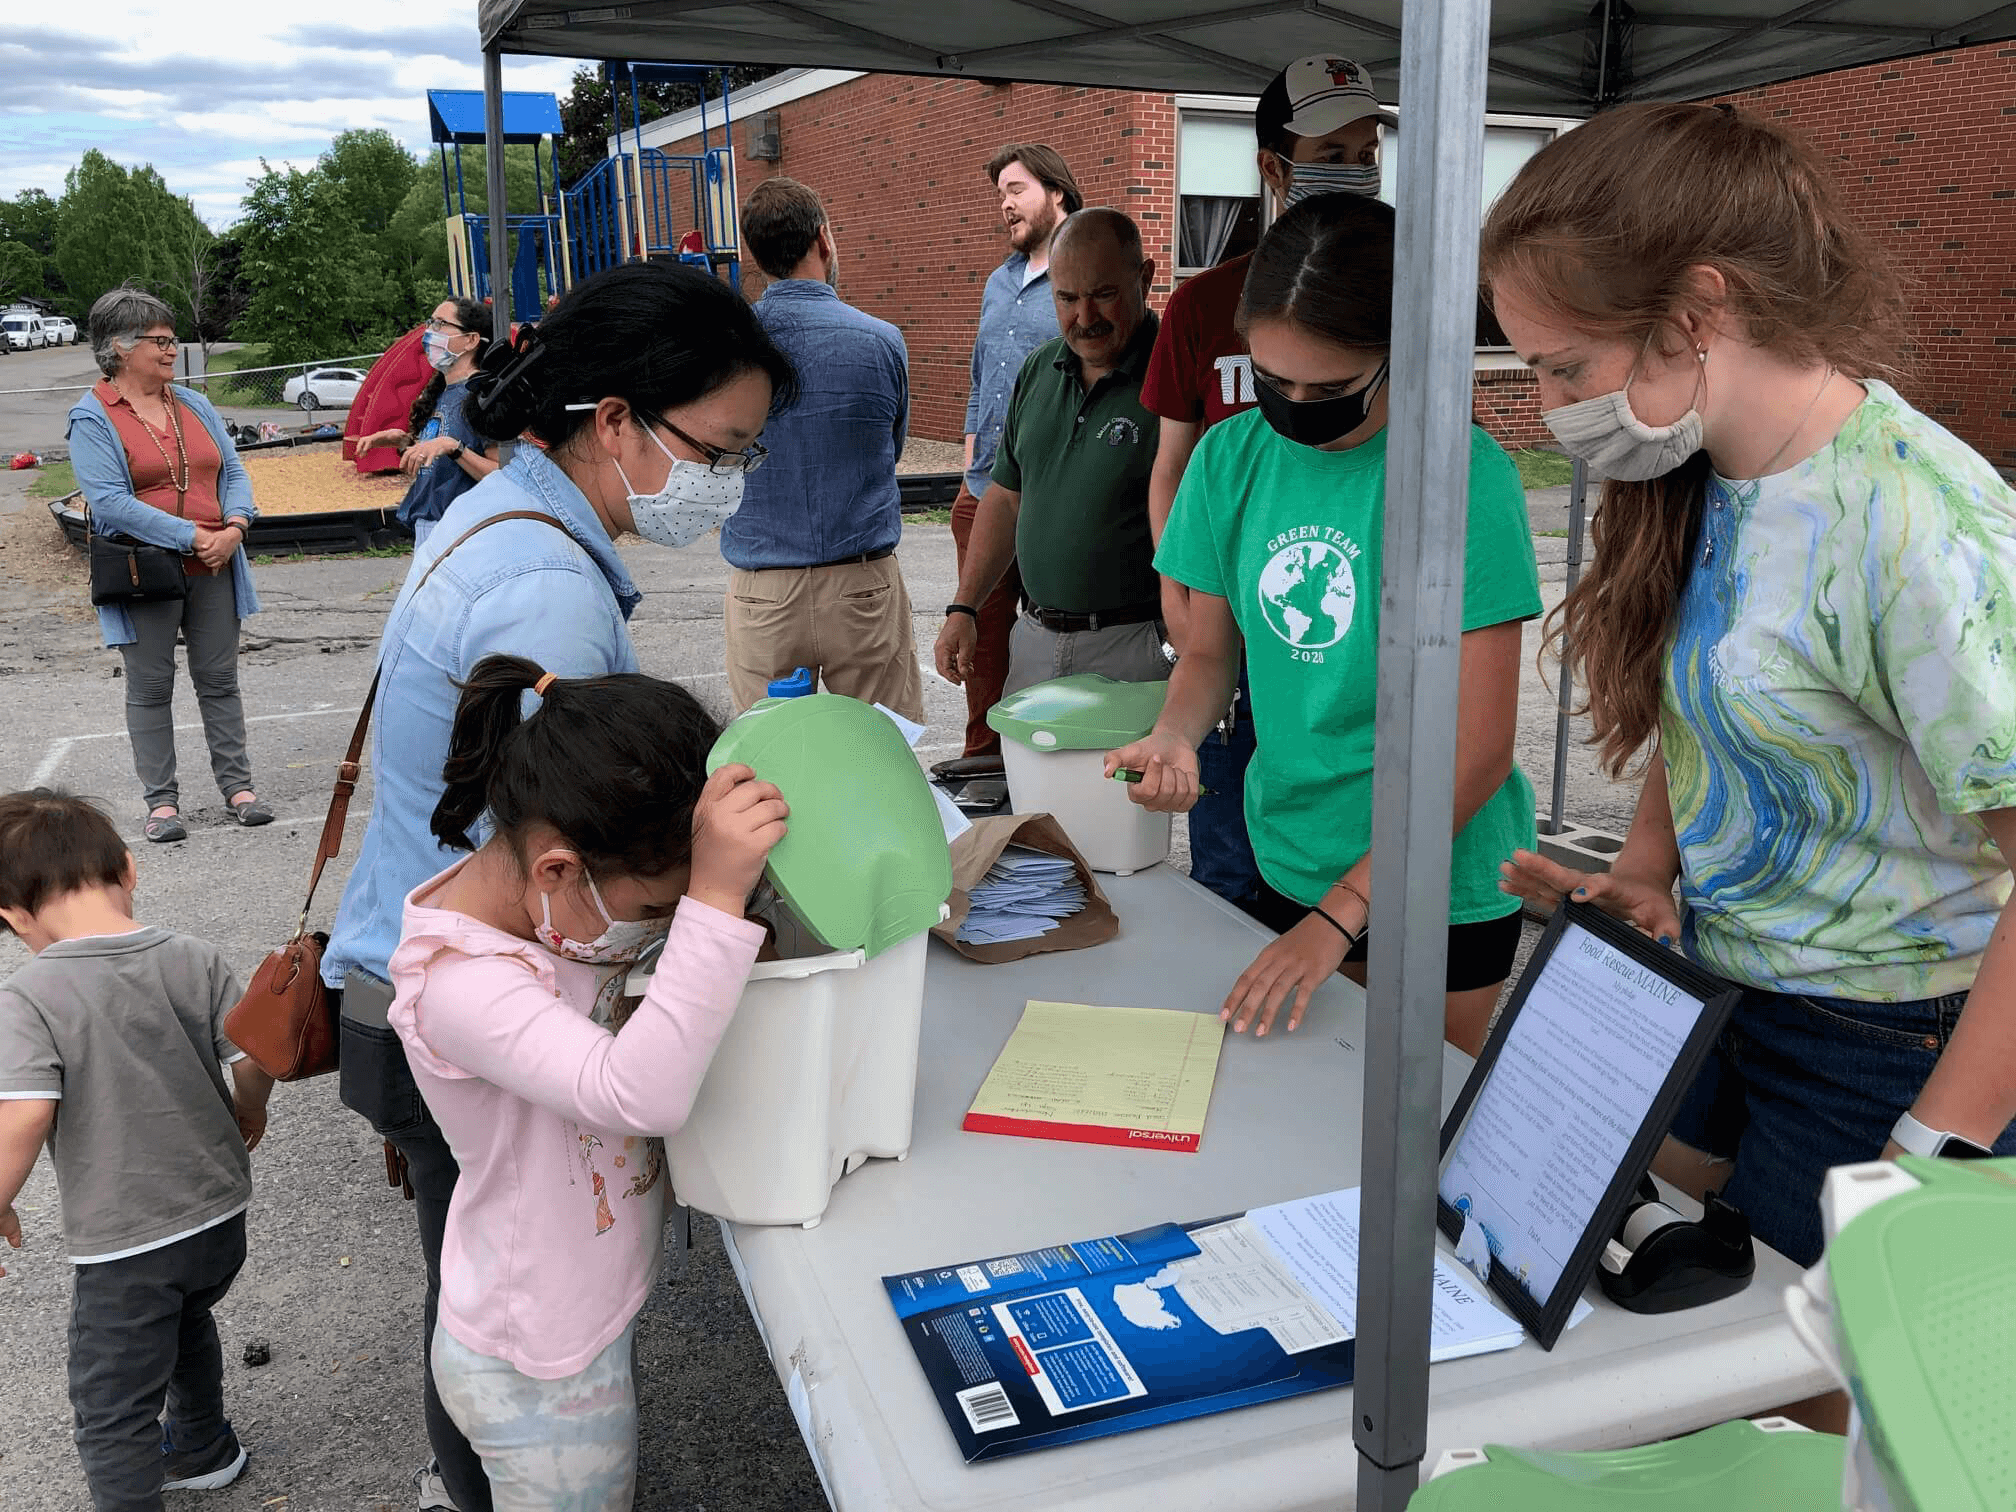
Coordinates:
column 204, row 105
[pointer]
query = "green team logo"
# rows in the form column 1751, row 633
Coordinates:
column 1307, row 594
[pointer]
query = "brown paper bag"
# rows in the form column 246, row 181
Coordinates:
column 981, row 846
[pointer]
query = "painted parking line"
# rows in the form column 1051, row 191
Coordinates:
column 52, row 758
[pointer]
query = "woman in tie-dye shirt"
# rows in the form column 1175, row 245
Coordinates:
column 1805, row 594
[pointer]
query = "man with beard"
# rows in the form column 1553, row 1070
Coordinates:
column 1068, row 500
column 1016, row 316
column 1318, row 129
column 816, row 583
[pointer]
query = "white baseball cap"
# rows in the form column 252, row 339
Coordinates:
column 1315, row 96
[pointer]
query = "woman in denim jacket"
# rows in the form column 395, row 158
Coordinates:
column 641, row 394
column 156, row 463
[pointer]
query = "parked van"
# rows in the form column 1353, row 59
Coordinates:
column 24, row 329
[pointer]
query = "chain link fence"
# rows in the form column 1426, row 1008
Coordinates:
column 311, row 387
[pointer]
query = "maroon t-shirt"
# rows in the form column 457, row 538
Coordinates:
column 1199, row 371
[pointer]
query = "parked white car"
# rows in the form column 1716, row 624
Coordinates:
column 61, row 329
column 323, row 388
column 24, row 330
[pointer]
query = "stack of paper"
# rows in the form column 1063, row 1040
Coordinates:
column 1023, row 895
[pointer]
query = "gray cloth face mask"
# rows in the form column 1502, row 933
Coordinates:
column 1607, row 434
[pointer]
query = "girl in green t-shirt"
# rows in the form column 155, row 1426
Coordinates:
column 1277, row 531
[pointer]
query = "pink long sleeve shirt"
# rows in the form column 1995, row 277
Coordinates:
column 555, row 1231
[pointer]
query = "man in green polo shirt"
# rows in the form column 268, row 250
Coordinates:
column 1069, row 497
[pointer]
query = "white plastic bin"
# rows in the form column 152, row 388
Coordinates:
column 817, row 1072
column 1112, row 832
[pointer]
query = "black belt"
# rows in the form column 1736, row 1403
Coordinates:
column 1071, row 624
column 855, row 561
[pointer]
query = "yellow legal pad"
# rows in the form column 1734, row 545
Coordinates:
column 1124, row 1076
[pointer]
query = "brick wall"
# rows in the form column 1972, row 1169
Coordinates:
column 1927, row 152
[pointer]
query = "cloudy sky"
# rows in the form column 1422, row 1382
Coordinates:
column 203, row 91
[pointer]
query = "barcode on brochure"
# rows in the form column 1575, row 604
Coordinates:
column 1008, row 1267
column 987, row 1408
column 974, row 1279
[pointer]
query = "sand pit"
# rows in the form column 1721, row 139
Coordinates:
column 316, row 480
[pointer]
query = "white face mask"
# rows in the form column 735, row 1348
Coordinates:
column 693, row 500
column 1607, row 434
column 439, row 356
column 1308, row 179
column 619, row 944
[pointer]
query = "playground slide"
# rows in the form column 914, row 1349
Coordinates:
column 384, row 399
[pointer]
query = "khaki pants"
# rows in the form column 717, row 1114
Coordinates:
column 850, row 624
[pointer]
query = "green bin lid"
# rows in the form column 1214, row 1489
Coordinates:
column 864, row 862
column 1083, row 713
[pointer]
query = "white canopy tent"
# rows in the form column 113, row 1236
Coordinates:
column 1445, row 64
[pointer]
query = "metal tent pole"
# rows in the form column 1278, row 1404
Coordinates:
column 493, row 179
column 1443, row 48
column 1578, row 498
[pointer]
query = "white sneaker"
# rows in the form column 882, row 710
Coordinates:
column 433, row 1490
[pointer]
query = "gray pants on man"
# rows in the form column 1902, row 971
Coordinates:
column 1125, row 653
column 208, row 622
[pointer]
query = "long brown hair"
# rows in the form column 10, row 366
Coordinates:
column 1606, row 227
column 474, row 317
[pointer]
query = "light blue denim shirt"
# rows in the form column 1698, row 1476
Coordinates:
column 1016, row 317
column 829, row 488
column 519, row 589
column 98, row 458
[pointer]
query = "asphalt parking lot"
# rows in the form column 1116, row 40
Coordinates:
column 333, row 1280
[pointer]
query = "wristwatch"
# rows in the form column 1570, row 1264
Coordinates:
column 1914, row 1138
column 456, row 455
column 1169, row 653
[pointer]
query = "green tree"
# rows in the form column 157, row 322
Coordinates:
column 372, row 174
column 20, row 272
column 589, row 115
column 419, row 230
column 319, row 285
column 115, row 227
column 29, row 220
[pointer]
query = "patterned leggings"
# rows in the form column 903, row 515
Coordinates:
column 568, row 1443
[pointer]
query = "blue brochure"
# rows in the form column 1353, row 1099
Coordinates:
column 1078, row 1341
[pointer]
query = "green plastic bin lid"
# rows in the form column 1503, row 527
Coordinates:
column 1926, row 1321
column 1083, row 713
column 864, row 863
column 1734, row 1467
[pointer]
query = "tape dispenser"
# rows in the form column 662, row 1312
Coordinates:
column 1659, row 1261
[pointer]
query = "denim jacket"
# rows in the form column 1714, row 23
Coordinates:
column 1015, row 319
column 520, row 589
column 99, row 459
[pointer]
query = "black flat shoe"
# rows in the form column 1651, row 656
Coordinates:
column 252, row 814
column 165, row 830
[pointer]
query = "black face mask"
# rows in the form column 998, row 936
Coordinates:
column 1318, row 422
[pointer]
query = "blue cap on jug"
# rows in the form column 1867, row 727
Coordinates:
column 797, row 685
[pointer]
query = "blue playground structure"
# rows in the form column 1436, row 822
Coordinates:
column 631, row 205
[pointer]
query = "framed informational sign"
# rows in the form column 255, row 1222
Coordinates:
column 1566, row 1107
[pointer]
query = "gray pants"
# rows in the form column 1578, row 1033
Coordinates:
column 141, row 1335
column 1125, row 653
column 208, row 620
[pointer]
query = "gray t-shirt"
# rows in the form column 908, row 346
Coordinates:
column 128, row 1031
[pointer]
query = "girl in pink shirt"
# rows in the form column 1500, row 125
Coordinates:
column 607, row 838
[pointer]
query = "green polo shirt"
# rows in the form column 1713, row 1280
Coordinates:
column 1081, row 461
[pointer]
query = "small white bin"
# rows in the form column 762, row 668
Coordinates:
column 817, row 1072
column 1112, row 832
column 1054, row 740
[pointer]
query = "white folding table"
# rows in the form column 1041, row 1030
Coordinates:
column 1284, row 1123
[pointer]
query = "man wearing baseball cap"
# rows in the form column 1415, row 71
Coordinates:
column 1318, row 129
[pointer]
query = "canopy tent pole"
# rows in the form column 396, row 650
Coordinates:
column 1441, row 172
column 1578, row 499
column 493, row 180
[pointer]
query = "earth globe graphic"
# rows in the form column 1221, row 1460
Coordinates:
column 1307, row 594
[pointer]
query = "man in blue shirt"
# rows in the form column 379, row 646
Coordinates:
column 1016, row 317
column 814, row 544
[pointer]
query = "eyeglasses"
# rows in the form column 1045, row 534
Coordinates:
column 719, row 459
column 436, row 324
column 165, row 343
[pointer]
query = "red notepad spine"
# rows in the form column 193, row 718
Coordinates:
column 1076, row 1133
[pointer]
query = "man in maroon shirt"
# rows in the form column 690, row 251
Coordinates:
column 1318, row 129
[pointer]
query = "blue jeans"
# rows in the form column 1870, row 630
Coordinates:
column 1221, row 854
column 1797, row 1085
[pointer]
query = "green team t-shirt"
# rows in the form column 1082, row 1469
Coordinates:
column 1292, row 538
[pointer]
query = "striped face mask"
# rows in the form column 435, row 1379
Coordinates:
column 1308, row 179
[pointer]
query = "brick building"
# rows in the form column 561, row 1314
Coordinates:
column 1927, row 149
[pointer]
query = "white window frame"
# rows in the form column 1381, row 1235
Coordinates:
column 1242, row 107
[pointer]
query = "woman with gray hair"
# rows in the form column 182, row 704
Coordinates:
column 156, row 463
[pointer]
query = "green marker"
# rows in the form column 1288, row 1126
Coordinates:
column 1124, row 775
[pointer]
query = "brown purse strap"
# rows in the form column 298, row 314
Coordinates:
column 352, row 766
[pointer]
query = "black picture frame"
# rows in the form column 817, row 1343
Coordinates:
column 1545, row 1321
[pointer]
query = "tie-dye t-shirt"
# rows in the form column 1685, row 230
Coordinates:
column 1840, row 706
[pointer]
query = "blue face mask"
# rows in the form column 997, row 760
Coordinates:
column 439, row 357
column 1308, row 179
